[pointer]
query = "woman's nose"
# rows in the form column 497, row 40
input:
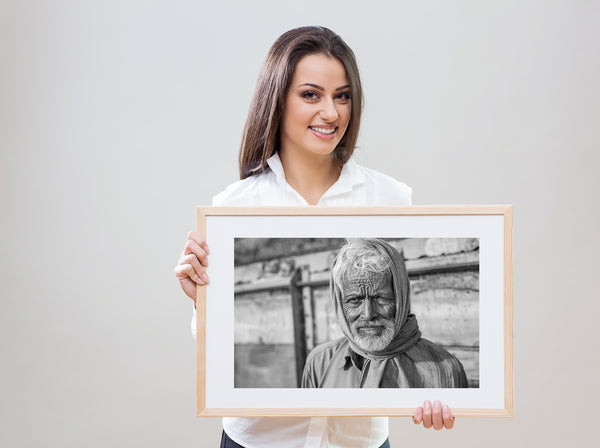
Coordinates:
column 329, row 112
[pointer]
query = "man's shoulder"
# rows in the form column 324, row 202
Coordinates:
column 320, row 360
column 449, row 371
column 325, row 351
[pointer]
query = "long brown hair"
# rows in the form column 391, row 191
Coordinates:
column 261, row 132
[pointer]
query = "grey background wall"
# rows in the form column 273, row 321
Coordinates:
column 117, row 118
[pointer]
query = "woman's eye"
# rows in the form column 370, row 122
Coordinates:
column 310, row 95
column 345, row 96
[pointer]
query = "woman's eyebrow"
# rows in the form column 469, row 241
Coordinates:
column 343, row 87
column 315, row 86
column 311, row 85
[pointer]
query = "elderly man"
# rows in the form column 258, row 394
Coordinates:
column 382, row 345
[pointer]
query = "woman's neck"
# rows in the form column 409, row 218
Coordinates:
column 310, row 176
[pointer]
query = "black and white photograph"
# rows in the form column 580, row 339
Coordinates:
column 356, row 313
column 393, row 303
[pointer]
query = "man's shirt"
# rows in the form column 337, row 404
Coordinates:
column 425, row 364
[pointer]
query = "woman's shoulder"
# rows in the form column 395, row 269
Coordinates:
column 241, row 192
column 386, row 189
column 384, row 180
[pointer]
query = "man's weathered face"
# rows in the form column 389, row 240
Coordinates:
column 370, row 307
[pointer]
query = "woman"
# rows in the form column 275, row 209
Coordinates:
column 296, row 150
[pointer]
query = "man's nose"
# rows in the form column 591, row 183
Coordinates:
column 368, row 310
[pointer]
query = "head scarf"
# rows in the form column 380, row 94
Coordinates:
column 407, row 332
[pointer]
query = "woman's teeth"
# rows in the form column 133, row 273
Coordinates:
column 323, row 130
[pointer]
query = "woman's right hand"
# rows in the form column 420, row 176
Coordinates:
column 191, row 268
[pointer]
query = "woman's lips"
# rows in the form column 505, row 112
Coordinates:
column 323, row 133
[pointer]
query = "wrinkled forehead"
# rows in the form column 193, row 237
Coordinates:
column 366, row 281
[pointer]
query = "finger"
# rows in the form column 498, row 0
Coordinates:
column 418, row 417
column 438, row 422
column 427, row 421
column 183, row 271
column 189, row 287
column 195, row 236
column 198, row 269
column 448, row 417
column 192, row 247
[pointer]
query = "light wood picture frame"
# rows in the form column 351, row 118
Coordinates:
column 251, row 343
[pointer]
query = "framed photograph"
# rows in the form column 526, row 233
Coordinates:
column 352, row 311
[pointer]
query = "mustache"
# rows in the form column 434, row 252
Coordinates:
column 377, row 323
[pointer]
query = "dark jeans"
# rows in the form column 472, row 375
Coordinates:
column 226, row 442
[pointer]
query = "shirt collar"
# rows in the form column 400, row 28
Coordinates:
column 350, row 357
column 350, row 176
column 274, row 163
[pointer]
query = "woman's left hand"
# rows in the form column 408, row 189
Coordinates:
column 437, row 416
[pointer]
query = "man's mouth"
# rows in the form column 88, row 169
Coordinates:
column 371, row 329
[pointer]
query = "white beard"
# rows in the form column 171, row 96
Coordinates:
column 375, row 340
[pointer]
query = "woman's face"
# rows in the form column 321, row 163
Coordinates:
column 317, row 107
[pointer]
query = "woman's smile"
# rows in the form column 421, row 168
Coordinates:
column 326, row 133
